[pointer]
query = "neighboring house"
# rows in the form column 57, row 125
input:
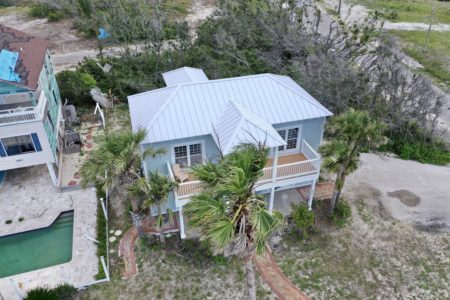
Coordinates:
column 196, row 119
column 30, row 104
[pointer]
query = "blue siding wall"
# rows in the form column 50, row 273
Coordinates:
column 160, row 163
column 312, row 130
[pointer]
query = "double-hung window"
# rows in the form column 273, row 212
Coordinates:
column 188, row 155
column 291, row 136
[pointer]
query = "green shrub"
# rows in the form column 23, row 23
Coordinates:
column 101, row 234
column 302, row 218
column 61, row 292
column 65, row 291
column 43, row 10
column 55, row 16
column 342, row 213
column 75, row 86
column 412, row 144
column 39, row 10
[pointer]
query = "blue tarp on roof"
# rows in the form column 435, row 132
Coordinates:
column 8, row 60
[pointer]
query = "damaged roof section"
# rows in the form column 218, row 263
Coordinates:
column 31, row 53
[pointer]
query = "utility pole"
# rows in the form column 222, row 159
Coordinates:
column 339, row 7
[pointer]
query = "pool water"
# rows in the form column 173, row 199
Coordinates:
column 37, row 249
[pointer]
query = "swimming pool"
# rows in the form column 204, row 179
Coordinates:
column 37, row 249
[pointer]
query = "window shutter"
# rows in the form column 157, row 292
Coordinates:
column 2, row 151
column 36, row 142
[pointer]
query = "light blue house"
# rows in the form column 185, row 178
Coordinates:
column 30, row 104
column 196, row 119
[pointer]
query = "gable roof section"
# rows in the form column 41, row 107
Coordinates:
column 31, row 50
column 192, row 109
column 238, row 125
column 184, row 75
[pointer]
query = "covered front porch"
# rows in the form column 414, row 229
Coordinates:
column 278, row 168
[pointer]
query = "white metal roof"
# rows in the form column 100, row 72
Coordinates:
column 184, row 75
column 238, row 125
column 191, row 109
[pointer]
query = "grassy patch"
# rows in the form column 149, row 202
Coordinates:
column 435, row 59
column 177, row 8
column 418, row 11
column 10, row 10
column 358, row 262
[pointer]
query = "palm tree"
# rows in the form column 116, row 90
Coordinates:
column 155, row 190
column 117, row 158
column 230, row 215
column 351, row 132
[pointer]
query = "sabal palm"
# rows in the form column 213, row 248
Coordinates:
column 230, row 215
column 155, row 192
column 350, row 132
column 117, row 155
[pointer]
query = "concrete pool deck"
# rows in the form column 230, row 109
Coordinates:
column 29, row 194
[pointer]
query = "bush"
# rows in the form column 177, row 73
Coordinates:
column 101, row 234
column 302, row 218
column 61, row 292
column 65, row 291
column 40, row 10
column 342, row 213
column 412, row 144
column 75, row 86
column 43, row 10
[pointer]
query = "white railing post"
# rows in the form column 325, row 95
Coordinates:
column 275, row 165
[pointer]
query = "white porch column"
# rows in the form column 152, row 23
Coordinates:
column 180, row 213
column 311, row 194
column 52, row 174
column 272, row 196
column 274, row 165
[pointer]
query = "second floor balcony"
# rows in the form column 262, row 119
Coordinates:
column 17, row 112
column 294, row 165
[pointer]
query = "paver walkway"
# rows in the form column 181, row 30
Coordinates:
column 275, row 278
column 128, row 241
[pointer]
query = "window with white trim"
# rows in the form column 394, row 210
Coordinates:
column 188, row 155
column 291, row 137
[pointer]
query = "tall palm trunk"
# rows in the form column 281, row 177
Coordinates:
column 162, row 236
column 338, row 184
column 250, row 274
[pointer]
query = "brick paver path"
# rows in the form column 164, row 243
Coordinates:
column 128, row 241
column 275, row 278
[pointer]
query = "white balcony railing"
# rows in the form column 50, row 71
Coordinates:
column 23, row 115
column 283, row 171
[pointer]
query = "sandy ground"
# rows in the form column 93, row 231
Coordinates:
column 62, row 36
column 416, row 193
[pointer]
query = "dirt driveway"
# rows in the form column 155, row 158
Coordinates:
column 408, row 191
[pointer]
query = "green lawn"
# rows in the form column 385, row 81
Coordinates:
column 417, row 11
column 436, row 60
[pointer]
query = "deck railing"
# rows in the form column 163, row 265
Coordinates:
column 23, row 115
column 284, row 171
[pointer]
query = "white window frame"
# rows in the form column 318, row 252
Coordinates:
column 202, row 145
column 299, row 138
